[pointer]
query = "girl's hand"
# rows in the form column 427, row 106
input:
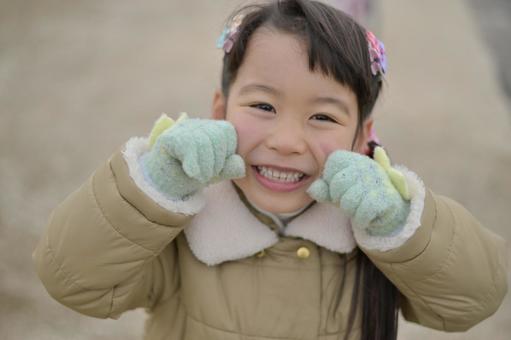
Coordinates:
column 190, row 154
column 364, row 191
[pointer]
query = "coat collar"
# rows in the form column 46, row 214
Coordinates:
column 226, row 229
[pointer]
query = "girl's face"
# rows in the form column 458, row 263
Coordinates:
column 288, row 121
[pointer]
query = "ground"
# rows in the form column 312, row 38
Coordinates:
column 77, row 79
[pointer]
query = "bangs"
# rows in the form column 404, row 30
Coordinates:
column 336, row 44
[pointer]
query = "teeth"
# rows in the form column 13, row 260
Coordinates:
column 281, row 176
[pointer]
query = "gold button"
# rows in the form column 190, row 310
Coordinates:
column 260, row 254
column 303, row 252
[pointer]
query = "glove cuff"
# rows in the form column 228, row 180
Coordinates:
column 412, row 222
column 135, row 148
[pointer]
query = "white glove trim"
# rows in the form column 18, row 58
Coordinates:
column 413, row 221
column 135, row 148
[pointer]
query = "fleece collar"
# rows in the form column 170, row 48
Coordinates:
column 226, row 230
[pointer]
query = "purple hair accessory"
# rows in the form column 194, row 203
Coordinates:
column 376, row 54
column 230, row 34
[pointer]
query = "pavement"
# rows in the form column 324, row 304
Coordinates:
column 494, row 20
column 445, row 116
column 77, row 79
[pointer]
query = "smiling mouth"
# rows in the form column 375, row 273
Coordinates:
column 280, row 176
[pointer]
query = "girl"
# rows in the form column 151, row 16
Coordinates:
column 268, row 221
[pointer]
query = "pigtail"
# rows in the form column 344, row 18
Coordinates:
column 380, row 298
column 380, row 303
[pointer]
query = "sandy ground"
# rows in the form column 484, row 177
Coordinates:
column 77, row 79
column 494, row 19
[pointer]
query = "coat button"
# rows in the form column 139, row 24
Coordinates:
column 303, row 252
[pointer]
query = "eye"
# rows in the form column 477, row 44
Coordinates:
column 264, row 107
column 323, row 117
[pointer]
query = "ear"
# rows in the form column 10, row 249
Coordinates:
column 364, row 136
column 219, row 105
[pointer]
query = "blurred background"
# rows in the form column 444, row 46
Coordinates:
column 78, row 78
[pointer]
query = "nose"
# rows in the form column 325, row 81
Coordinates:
column 287, row 138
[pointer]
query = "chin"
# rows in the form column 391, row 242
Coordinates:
column 280, row 205
column 265, row 197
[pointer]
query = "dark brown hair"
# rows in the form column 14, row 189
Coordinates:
column 337, row 46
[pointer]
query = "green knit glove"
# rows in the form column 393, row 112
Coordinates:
column 190, row 154
column 364, row 191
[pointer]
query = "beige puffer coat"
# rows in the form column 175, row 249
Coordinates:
column 109, row 248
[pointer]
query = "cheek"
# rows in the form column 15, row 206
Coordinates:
column 324, row 150
column 327, row 148
column 323, row 147
column 248, row 132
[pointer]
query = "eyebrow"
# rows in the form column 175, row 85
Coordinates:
column 333, row 101
column 259, row 87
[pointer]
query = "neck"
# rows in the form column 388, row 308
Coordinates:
column 280, row 219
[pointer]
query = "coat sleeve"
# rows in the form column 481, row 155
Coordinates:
column 108, row 247
column 451, row 271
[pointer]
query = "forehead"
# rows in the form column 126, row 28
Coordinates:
column 281, row 60
column 271, row 49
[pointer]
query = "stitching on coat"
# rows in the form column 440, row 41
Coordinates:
column 308, row 269
column 451, row 251
column 481, row 306
column 494, row 291
column 68, row 280
column 111, row 308
column 442, row 268
column 154, row 297
column 234, row 332
column 435, row 216
column 146, row 261
column 93, row 191
column 259, row 336
column 142, row 279
column 418, row 297
column 142, row 214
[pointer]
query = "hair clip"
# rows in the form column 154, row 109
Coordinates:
column 377, row 55
column 230, row 33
